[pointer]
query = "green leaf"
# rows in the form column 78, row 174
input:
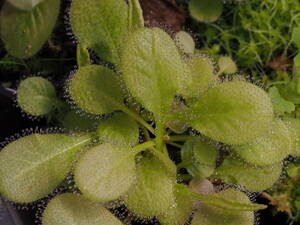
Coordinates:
column 74, row 122
column 234, row 112
column 96, row 89
column 199, row 157
column 74, row 209
column 25, row 4
column 152, row 194
column 227, row 65
column 210, row 215
column 100, row 25
column 185, row 42
column 296, row 36
column 294, row 128
column 180, row 213
column 36, row 96
column 234, row 171
column 280, row 105
column 135, row 15
column 206, row 10
column 83, row 56
column 269, row 149
column 201, row 76
column 152, row 66
column 120, row 129
column 32, row 166
column 105, row 172
column 291, row 91
column 25, row 32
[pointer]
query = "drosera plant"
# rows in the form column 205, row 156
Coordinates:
column 128, row 157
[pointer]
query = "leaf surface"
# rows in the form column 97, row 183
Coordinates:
column 32, row 166
column 25, row 32
column 25, row 4
column 206, row 10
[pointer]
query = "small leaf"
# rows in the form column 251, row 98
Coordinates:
column 74, row 209
column 199, row 157
column 135, row 15
column 296, row 36
column 96, row 89
column 152, row 66
column 25, row 32
column 32, row 166
column 294, row 127
column 83, row 56
column 185, row 42
column 234, row 171
column 100, row 25
column 269, row 149
column 74, row 122
column 120, row 129
column 152, row 195
column 180, row 213
column 234, row 112
column 280, row 105
column 36, row 96
column 210, row 215
column 206, row 10
column 105, row 172
column 201, row 76
column 290, row 91
column 227, row 65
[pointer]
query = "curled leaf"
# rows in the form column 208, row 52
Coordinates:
column 206, row 10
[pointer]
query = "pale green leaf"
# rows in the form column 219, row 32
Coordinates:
column 152, row 195
column 199, row 157
column 96, row 89
column 272, row 148
column 206, row 10
column 36, row 96
column 296, row 36
column 201, row 76
column 32, row 166
column 82, row 55
column 120, row 129
column 25, row 4
column 151, row 67
column 280, row 105
column 105, row 172
column 291, row 91
column 181, row 211
column 234, row 112
column 100, row 25
column 25, row 32
column 234, row 171
column 185, row 42
column 135, row 15
column 227, row 65
column 74, row 209
column 294, row 128
column 210, row 215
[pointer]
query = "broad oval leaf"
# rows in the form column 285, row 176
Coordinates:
column 206, row 10
column 234, row 112
column 269, row 149
column 201, row 76
column 294, row 127
column 210, row 215
column 152, row 195
column 96, row 89
column 32, row 166
column 74, row 209
column 25, row 32
column 120, row 129
column 280, row 105
column 25, row 4
column 36, row 96
column 100, row 25
column 180, row 212
column 227, row 65
column 234, row 171
column 199, row 157
column 105, row 172
column 151, row 67
column 185, row 42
